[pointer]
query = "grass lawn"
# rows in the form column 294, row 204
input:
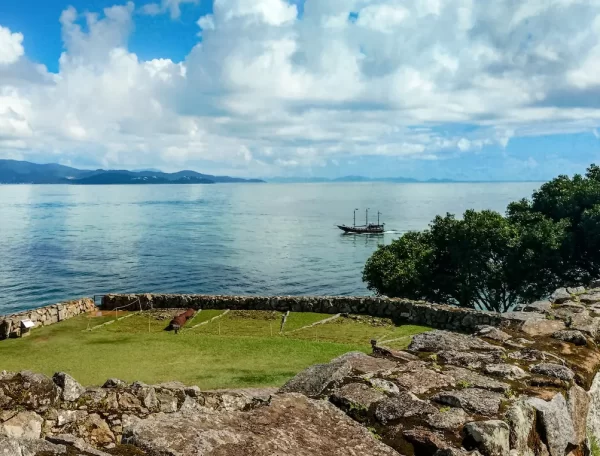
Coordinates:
column 234, row 351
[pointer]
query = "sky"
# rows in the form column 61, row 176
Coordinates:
column 462, row 89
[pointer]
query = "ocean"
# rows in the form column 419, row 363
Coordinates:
column 59, row 242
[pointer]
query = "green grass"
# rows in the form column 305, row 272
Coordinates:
column 344, row 330
column 243, row 355
column 297, row 320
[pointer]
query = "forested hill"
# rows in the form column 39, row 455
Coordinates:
column 22, row 172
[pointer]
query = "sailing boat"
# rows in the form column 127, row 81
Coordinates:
column 367, row 228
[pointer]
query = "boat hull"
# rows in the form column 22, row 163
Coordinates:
column 361, row 230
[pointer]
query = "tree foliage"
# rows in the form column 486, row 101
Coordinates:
column 484, row 260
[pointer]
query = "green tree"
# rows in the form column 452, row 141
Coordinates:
column 574, row 204
column 483, row 260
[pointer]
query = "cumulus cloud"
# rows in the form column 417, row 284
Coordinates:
column 11, row 46
column 173, row 7
column 267, row 90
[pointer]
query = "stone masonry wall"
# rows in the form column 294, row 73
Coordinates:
column 416, row 312
column 44, row 316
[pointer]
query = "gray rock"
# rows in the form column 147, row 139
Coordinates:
column 417, row 378
column 404, row 405
column 31, row 390
column 520, row 417
column 493, row 333
column 545, row 327
column 291, row 424
column 315, row 380
column 570, row 335
column 71, row 389
column 560, row 295
column 490, row 437
column 593, row 417
column 472, row 400
column 553, row 370
column 576, row 290
column 557, row 423
column 578, row 402
column 361, row 363
column 114, row 383
column 537, row 306
column 75, row 442
column 473, row 360
column 64, row 417
column 167, row 403
column 508, row 371
column 434, row 341
column 587, row 324
column 148, row 398
column 356, row 397
column 22, row 425
column 473, row 379
column 450, row 419
column 384, row 385
column 590, row 298
column 26, row 447
column 189, row 405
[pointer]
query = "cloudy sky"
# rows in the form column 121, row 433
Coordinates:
column 466, row 89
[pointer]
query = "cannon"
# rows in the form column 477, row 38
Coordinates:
column 180, row 320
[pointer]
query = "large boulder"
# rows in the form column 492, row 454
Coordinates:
column 10, row 446
column 418, row 378
column 571, row 335
column 491, row 437
column 468, row 378
column 507, row 371
column 21, row 425
column 560, row 295
column 473, row 400
column 593, row 417
column 30, row 390
column 520, row 417
column 557, row 423
column 554, row 370
column 356, row 398
column 404, row 405
column 71, row 389
column 435, row 341
column 316, row 380
column 578, row 402
column 472, row 360
column 292, row 424
column 542, row 327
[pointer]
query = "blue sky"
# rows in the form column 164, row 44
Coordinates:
column 425, row 89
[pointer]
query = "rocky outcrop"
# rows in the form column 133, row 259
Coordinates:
column 291, row 424
column 521, row 384
column 10, row 325
column 494, row 393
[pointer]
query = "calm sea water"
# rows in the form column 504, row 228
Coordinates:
column 61, row 242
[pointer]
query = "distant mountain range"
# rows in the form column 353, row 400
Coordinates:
column 308, row 180
column 22, row 172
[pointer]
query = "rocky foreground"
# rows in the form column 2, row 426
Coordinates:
column 528, row 388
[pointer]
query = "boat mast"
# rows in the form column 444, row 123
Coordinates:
column 378, row 213
column 367, row 217
column 355, row 217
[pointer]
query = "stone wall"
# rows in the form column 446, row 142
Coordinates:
column 44, row 316
column 417, row 312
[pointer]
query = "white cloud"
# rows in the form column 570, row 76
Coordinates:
column 173, row 7
column 11, row 46
column 266, row 90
